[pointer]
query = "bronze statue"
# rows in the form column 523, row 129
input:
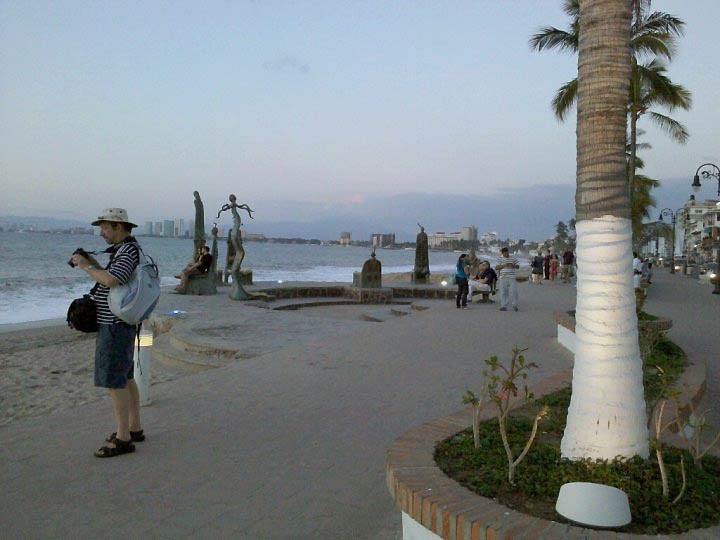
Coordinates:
column 421, row 272
column 235, row 239
column 199, row 240
column 473, row 262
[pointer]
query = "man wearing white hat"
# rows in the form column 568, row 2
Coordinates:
column 115, row 340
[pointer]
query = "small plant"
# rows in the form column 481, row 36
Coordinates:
column 501, row 389
column 691, row 431
column 659, row 428
column 477, row 402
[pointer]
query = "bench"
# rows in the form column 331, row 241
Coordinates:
column 486, row 294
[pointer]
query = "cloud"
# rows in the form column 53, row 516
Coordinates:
column 287, row 62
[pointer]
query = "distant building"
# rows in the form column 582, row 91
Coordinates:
column 345, row 238
column 470, row 233
column 251, row 236
column 383, row 239
column 489, row 237
column 700, row 222
column 149, row 228
column 168, row 228
column 441, row 238
column 158, row 229
column 191, row 228
column 179, row 227
column 701, row 228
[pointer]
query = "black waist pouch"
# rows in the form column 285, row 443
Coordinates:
column 82, row 314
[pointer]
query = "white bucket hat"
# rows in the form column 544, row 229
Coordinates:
column 115, row 215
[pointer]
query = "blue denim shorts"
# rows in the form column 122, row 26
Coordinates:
column 114, row 348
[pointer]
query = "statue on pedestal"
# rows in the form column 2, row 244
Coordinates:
column 199, row 238
column 473, row 262
column 235, row 238
column 421, row 272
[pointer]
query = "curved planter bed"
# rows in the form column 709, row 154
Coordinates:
column 434, row 506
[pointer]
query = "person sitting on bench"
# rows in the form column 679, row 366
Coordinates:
column 483, row 281
column 195, row 269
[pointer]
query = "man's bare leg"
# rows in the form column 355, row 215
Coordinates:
column 121, row 401
column 134, row 412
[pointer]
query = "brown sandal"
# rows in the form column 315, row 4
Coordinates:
column 120, row 448
column 135, row 436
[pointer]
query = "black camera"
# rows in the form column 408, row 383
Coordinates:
column 78, row 251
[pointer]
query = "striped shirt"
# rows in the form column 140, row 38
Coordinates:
column 122, row 263
column 508, row 271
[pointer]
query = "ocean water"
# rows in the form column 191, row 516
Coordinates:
column 36, row 282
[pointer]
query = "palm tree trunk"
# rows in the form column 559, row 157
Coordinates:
column 606, row 417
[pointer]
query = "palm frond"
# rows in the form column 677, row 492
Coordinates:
column 670, row 126
column 658, row 89
column 564, row 99
column 650, row 44
column 572, row 8
column 661, row 23
column 550, row 37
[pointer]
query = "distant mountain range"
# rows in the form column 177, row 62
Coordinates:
column 530, row 213
column 41, row 223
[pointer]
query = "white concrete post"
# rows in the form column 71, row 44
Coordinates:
column 143, row 344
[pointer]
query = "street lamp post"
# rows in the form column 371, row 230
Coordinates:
column 707, row 174
column 673, row 217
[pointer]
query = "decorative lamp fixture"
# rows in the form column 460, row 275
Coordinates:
column 595, row 505
column 696, row 183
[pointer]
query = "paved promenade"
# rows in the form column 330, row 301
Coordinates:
column 291, row 443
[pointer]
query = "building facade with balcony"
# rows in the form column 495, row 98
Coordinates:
column 701, row 227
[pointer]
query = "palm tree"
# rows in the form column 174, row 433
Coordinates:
column 650, row 87
column 641, row 203
column 606, row 417
column 652, row 35
column 641, row 197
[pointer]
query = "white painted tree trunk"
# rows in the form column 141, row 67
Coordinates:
column 606, row 417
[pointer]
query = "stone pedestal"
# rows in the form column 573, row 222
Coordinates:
column 371, row 296
column 201, row 285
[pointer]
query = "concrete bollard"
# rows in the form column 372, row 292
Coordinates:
column 143, row 344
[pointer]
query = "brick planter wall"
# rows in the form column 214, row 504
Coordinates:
column 448, row 510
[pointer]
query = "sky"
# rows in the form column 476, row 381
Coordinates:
column 313, row 109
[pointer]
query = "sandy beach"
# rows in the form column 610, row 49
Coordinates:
column 46, row 368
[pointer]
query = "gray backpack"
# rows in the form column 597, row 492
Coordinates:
column 134, row 301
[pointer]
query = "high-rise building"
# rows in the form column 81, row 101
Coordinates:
column 179, row 227
column 345, row 238
column 470, row 233
column 383, row 239
column 148, row 228
column 168, row 228
column 158, row 229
